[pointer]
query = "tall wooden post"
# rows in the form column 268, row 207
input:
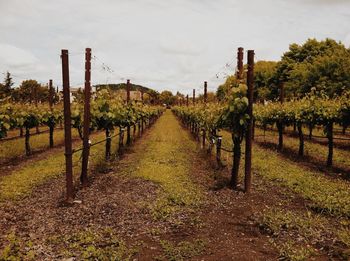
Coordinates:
column 187, row 100
column 36, row 104
column 86, row 130
column 239, row 74
column 128, row 133
column 218, row 151
column 67, row 126
column 52, row 124
column 248, row 139
column 235, row 139
column 51, row 94
column 205, row 101
column 194, row 96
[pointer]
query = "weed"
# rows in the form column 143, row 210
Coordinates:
column 183, row 250
column 16, row 249
column 94, row 245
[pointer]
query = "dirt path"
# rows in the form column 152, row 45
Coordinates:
column 163, row 201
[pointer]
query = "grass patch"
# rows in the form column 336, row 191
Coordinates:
column 21, row 182
column 15, row 148
column 330, row 196
column 164, row 160
column 93, row 245
column 308, row 226
column 293, row 251
column 182, row 251
column 16, row 249
column 315, row 150
column 298, row 235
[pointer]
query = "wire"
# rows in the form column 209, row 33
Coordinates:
column 96, row 143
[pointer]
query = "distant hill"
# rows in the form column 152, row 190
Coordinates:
column 134, row 87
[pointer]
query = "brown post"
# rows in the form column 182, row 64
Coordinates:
column 127, row 91
column 67, row 126
column 121, row 141
column 86, row 127
column 330, row 137
column 51, row 125
column 205, row 101
column 240, row 63
column 51, row 93
column 248, row 144
column 187, row 100
column 194, row 96
column 36, row 104
column 218, row 150
column 128, row 135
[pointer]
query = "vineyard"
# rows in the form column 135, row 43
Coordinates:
column 107, row 177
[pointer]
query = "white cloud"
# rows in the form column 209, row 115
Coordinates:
column 15, row 57
column 174, row 44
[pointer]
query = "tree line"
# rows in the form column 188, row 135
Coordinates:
column 323, row 66
column 29, row 91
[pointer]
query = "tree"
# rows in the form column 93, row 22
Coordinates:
column 167, row 97
column 324, row 65
column 6, row 87
column 264, row 82
column 31, row 91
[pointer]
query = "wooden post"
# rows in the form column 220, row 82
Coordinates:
column 52, row 124
column 51, row 94
column 128, row 135
column 248, row 139
column 187, row 100
column 194, row 97
column 121, row 141
column 329, row 128
column 239, row 74
column 205, row 101
column 235, row 138
column 301, row 139
column 36, row 104
column 86, row 130
column 218, row 151
column 67, row 126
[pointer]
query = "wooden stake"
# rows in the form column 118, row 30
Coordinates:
column 86, row 127
column 248, row 139
column 67, row 126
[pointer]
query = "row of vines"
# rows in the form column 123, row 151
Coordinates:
column 314, row 110
column 107, row 114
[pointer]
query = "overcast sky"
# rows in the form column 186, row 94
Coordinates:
column 174, row 44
